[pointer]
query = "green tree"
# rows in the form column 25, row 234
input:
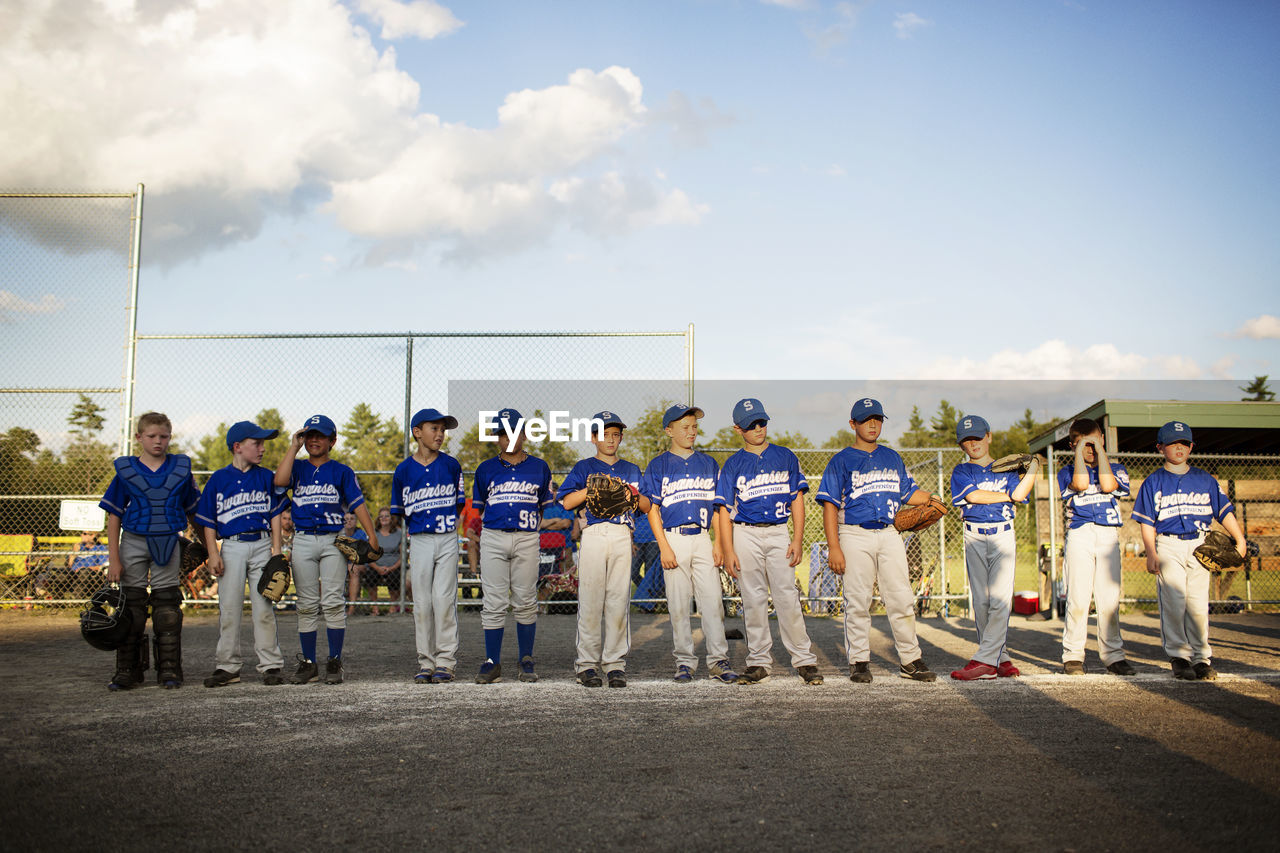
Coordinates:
column 86, row 418
column 944, row 423
column 839, row 440
column 558, row 455
column 1016, row 438
column 468, row 449
column 368, row 443
column 794, row 440
column 646, row 438
column 1259, row 390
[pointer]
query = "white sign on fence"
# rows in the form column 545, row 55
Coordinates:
column 81, row 515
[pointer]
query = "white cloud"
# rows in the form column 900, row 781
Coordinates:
column 837, row 32
column 11, row 303
column 1262, row 327
column 788, row 4
column 906, row 23
column 232, row 111
column 422, row 19
column 1056, row 359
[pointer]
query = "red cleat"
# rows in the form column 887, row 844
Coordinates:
column 1007, row 670
column 975, row 671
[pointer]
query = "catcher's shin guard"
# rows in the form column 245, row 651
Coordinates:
column 166, row 620
column 131, row 656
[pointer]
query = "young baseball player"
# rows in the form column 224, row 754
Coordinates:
column 604, row 565
column 681, row 486
column 510, row 490
column 323, row 491
column 1090, row 486
column 427, row 490
column 1176, row 506
column 241, row 507
column 861, row 490
column 990, row 545
column 149, row 501
column 761, row 487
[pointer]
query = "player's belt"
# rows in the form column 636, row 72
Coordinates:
column 1183, row 536
column 315, row 531
column 759, row 523
column 873, row 525
column 987, row 530
column 506, row 529
column 247, row 537
column 685, row 530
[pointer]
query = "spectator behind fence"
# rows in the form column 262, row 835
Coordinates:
column 88, row 553
column 556, row 532
column 351, row 529
column 385, row 571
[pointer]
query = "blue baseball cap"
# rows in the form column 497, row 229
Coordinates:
column 866, row 408
column 1174, row 431
column 430, row 416
column 510, row 417
column 971, row 426
column 678, row 411
column 609, row 419
column 748, row 411
column 248, row 429
column 320, row 424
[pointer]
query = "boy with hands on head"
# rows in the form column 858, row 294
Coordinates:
column 1090, row 486
column 861, row 490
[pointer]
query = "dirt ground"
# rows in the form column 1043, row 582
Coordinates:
column 1041, row 762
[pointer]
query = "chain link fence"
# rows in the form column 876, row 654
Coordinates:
column 65, row 302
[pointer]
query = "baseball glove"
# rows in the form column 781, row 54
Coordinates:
column 1218, row 552
column 193, row 555
column 1020, row 462
column 357, row 551
column 275, row 578
column 610, row 497
column 919, row 517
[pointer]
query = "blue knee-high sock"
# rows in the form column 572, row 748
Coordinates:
column 493, row 644
column 335, row 636
column 307, row 639
column 524, row 637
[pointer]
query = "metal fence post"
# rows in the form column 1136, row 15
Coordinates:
column 942, row 544
column 1053, row 535
column 131, row 343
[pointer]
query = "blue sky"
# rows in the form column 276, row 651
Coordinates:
column 891, row 189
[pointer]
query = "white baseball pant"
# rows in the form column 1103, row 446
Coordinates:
column 1183, row 590
column 1091, row 568
column 243, row 561
column 433, row 574
column 989, row 561
column 508, row 576
column 763, row 567
column 604, row 593
column 695, row 576
column 320, row 577
column 872, row 555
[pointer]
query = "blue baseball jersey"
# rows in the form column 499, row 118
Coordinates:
column 511, row 497
column 968, row 476
column 322, row 495
column 428, row 496
column 758, row 488
column 236, row 501
column 683, row 489
column 1092, row 506
column 1179, row 504
column 867, row 487
column 628, row 472
column 135, row 515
